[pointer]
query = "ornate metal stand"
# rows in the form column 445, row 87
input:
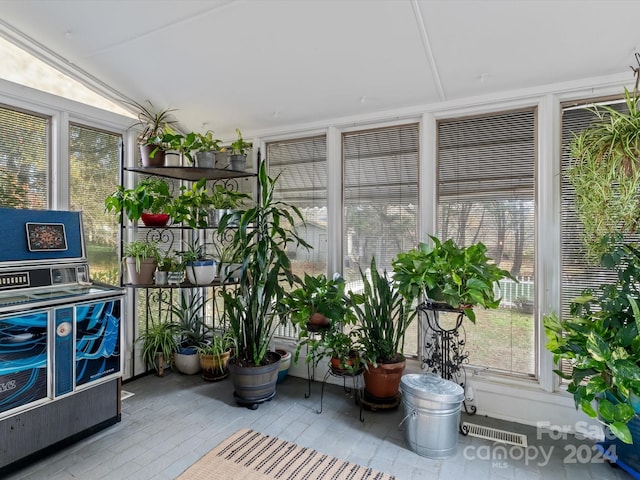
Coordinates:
column 344, row 374
column 445, row 348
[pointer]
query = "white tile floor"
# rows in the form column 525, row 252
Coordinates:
column 172, row 421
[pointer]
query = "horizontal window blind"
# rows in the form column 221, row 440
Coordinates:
column 380, row 195
column 24, row 151
column 486, row 193
column 577, row 273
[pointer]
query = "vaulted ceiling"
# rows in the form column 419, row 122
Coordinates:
column 265, row 65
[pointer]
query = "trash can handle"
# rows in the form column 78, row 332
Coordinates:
column 414, row 413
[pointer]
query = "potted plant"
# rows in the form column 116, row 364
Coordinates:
column 460, row 277
column 225, row 201
column 317, row 301
column 191, row 331
column 238, row 154
column 343, row 349
column 214, row 357
column 601, row 341
column 604, row 174
column 199, row 265
column 150, row 200
column 153, row 125
column 169, row 270
column 229, row 261
column 141, row 259
column 383, row 314
column 205, row 148
column 158, row 345
column 192, row 205
column 252, row 308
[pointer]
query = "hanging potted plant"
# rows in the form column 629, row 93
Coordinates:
column 150, row 200
column 252, row 308
column 238, row 153
column 141, row 259
column 153, row 125
column 605, row 174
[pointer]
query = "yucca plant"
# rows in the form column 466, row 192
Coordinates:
column 383, row 316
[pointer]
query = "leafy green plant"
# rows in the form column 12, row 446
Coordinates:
column 140, row 250
column 153, row 123
column 239, row 146
column 223, row 198
column 459, row 276
column 169, row 262
column 158, row 337
column 318, row 294
column 188, row 315
column 149, row 195
column 217, row 345
column 261, row 240
column 605, row 173
column 383, row 315
column 601, row 340
column 192, row 205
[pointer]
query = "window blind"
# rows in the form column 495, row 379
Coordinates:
column 24, row 152
column 486, row 193
column 380, row 195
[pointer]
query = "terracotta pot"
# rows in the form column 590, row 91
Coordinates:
column 318, row 320
column 383, row 381
column 155, row 219
column 338, row 366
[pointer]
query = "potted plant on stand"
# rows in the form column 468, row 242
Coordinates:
column 205, row 148
column 170, row 270
column 225, row 201
column 460, row 278
column 201, row 267
column 238, row 154
column 383, row 315
column 192, row 205
column 153, row 125
column 150, row 200
column 252, row 307
column 191, row 331
column 141, row 259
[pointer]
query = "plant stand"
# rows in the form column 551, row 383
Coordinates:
column 444, row 347
column 345, row 374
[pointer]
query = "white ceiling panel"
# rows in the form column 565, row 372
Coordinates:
column 266, row 64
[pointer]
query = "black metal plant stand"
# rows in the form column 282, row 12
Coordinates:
column 357, row 388
column 445, row 346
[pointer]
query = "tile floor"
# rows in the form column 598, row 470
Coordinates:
column 172, row 421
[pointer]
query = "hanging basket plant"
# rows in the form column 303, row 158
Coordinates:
column 605, row 174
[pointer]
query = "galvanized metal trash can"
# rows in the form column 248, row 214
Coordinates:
column 432, row 414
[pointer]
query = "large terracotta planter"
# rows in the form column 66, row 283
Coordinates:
column 255, row 385
column 383, row 381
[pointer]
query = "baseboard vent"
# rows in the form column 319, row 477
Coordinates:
column 494, row 434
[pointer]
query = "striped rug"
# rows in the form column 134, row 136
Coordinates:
column 249, row 455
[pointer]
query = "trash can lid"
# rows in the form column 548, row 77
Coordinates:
column 432, row 386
